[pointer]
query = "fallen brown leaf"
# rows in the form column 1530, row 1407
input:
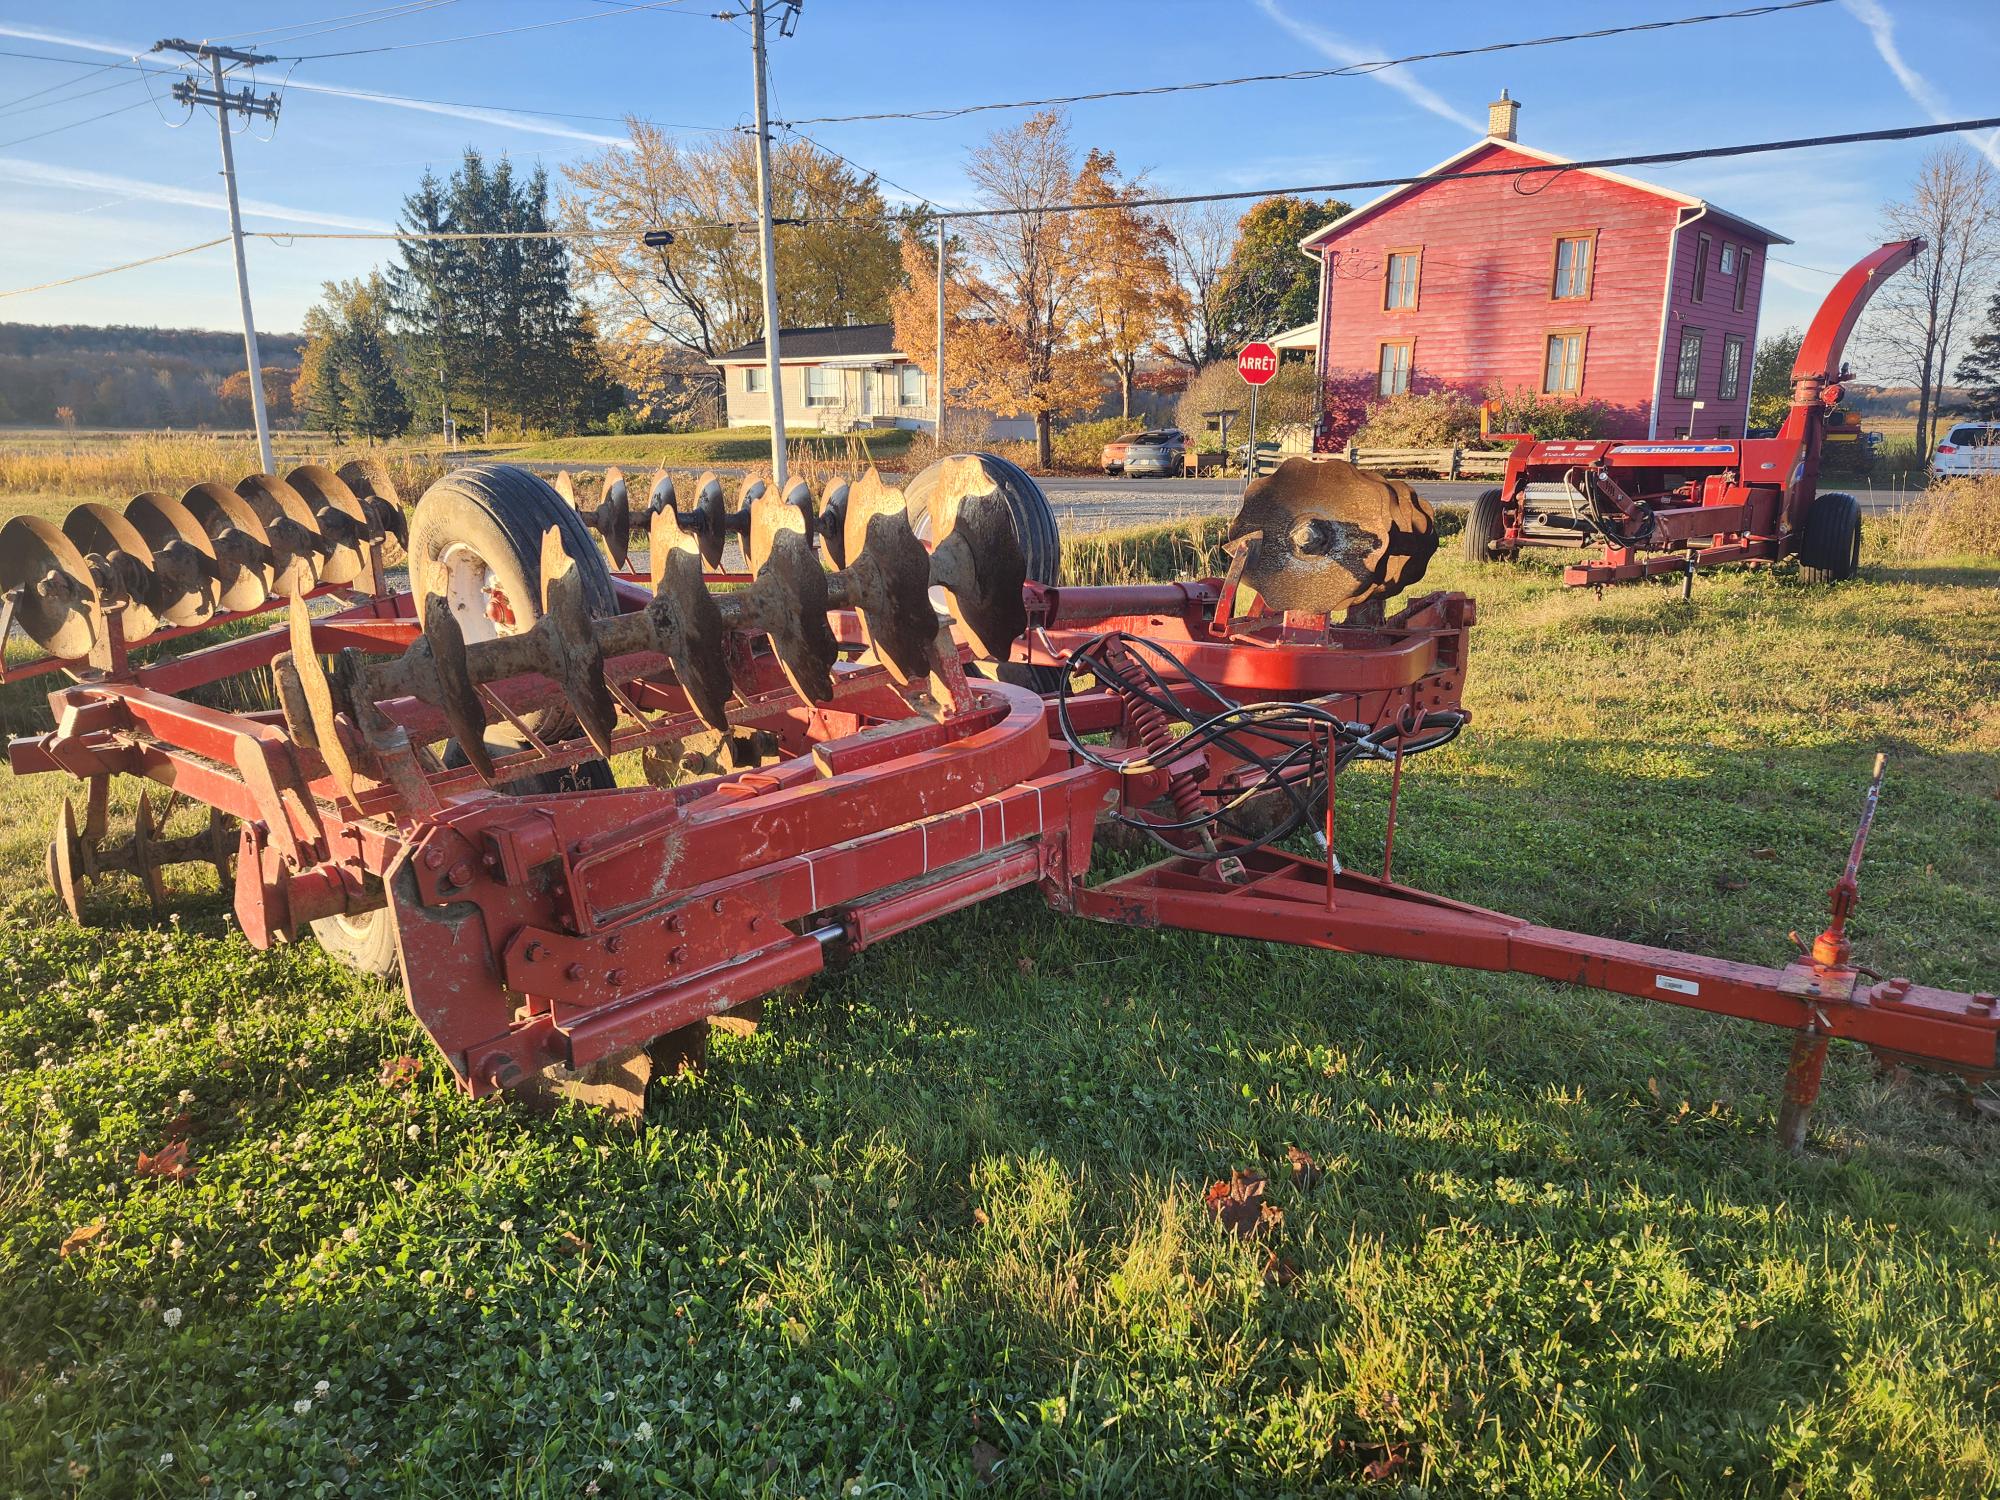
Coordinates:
column 79, row 1237
column 399, row 1072
column 979, row 1217
column 1731, row 883
column 1305, row 1171
column 1025, row 964
column 574, row 1240
column 1280, row 1272
column 1764, row 854
column 985, row 1458
column 171, row 1163
column 1386, row 1466
column 1239, row 1205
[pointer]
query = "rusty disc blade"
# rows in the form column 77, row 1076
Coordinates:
column 1326, row 530
column 249, row 568
column 889, row 576
column 660, row 496
column 711, row 512
column 368, row 479
column 976, row 556
column 100, row 531
column 768, row 516
column 458, row 700
column 789, row 599
column 614, row 518
column 184, row 566
column 294, row 531
column 687, row 624
column 832, row 522
column 577, row 664
column 144, row 852
column 66, row 862
column 340, row 518
column 318, row 692
column 50, row 579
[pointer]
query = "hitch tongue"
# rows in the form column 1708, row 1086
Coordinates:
column 1831, row 949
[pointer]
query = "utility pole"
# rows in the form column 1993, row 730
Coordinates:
column 937, row 397
column 766, row 248
column 246, row 103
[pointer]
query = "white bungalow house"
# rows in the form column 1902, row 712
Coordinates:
column 836, row 379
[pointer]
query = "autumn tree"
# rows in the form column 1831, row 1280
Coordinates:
column 913, row 308
column 1024, row 354
column 1269, row 284
column 669, row 307
column 1200, row 237
column 1913, row 322
column 1771, row 378
column 1126, row 290
column 234, row 393
column 348, row 381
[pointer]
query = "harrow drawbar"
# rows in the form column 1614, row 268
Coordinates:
column 583, row 806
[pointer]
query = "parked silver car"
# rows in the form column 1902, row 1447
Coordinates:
column 1969, row 448
column 1156, row 453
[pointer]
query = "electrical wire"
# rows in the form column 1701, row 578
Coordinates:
column 130, row 265
column 1703, row 153
column 662, row 7
column 1349, row 70
column 74, row 124
column 302, row 30
column 28, row 109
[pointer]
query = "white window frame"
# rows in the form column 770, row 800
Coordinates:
column 819, row 374
column 754, row 382
column 904, row 376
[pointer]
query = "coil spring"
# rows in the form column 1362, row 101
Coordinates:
column 1150, row 726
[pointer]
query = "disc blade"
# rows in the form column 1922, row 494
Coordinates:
column 101, row 530
column 51, row 582
column 1326, row 531
column 976, row 556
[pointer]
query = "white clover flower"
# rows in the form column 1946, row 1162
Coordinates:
column 301, row 1406
column 184, row 1098
column 506, row 1226
column 604, row 1465
column 412, row 1132
column 176, row 1248
column 97, row 1016
column 320, row 1388
column 590, row 1488
column 643, row 1433
column 167, row 1460
column 796, row 1402
column 172, row 1316
column 350, row 1234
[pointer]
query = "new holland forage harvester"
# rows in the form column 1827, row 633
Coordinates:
column 1672, row 507
column 832, row 755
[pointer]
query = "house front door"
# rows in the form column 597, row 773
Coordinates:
column 867, row 395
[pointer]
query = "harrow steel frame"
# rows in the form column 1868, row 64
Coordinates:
column 571, row 930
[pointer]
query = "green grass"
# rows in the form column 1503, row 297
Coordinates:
column 734, row 445
column 944, row 1209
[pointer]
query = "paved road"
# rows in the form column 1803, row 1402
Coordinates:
column 1097, row 503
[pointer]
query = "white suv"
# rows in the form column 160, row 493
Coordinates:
column 1969, row 448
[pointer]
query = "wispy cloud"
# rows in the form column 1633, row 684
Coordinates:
column 42, row 174
column 1882, row 29
column 505, row 119
column 1339, row 50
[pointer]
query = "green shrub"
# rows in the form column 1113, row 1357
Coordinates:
column 1547, row 417
column 1435, row 419
column 1291, row 397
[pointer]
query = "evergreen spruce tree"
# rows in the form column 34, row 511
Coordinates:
column 1980, row 368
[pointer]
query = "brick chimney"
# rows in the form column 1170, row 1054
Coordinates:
column 1502, row 115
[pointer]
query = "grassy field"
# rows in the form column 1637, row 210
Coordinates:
column 735, row 445
column 937, row 1228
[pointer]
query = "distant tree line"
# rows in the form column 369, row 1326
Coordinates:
column 136, row 377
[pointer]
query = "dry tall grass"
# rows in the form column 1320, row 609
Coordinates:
column 173, row 461
column 1955, row 518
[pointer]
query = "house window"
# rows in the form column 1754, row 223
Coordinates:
column 1689, row 368
column 1732, row 366
column 910, row 385
column 822, row 386
column 1742, row 277
column 1400, row 289
column 753, row 378
column 1701, row 245
column 1573, row 258
column 1728, row 266
column 1562, row 364
column 1393, row 377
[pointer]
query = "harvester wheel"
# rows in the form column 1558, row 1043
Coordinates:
column 1484, row 528
column 476, row 538
column 1830, row 539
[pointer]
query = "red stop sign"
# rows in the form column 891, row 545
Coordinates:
column 1257, row 363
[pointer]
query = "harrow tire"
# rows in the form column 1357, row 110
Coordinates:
column 1484, row 528
column 500, row 513
column 1830, row 539
column 364, row 943
column 1034, row 527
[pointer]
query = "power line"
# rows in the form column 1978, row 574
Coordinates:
column 663, row 7
column 130, row 265
column 1349, row 70
column 300, row 31
column 22, row 140
column 1550, row 170
column 19, row 108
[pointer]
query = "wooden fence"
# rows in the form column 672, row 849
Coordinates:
column 1446, row 463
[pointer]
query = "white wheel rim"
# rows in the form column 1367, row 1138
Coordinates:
column 472, row 589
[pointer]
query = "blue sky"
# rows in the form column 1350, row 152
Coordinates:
column 128, row 185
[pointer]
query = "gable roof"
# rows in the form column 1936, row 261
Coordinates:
column 846, row 342
column 1333, row 231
